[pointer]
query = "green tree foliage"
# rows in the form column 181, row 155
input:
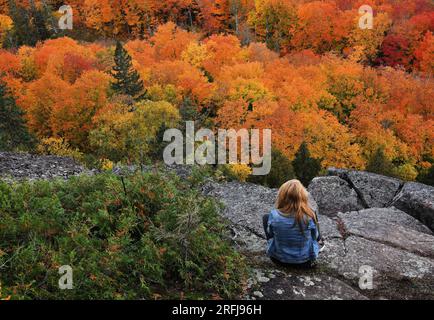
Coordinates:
column 13, row 130
column 124, row 135
column 379, row 163
column 274, row 23
column 306, row 168
column 144, row 236
column 281, row 171
column 157, row 145
column 30, row 24
column 40, row 21
column 127, row 79
column 427, row 176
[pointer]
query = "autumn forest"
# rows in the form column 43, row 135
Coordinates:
column 304, row 69
column 89, row 89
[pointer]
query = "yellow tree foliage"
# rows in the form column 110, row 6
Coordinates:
column 124, row 134
column 365, row 43
column 195, row 54
column 6, row 25
column 326, row 137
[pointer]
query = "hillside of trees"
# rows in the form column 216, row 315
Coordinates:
column 304, row 69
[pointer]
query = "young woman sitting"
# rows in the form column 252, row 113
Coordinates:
column 292, row 228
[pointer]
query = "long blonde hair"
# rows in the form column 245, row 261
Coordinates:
column 292, row 199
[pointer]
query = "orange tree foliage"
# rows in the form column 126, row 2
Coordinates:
column 400, row 34
column 341, row 108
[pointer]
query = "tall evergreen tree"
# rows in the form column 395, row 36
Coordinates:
column 305, row 167
column 127, row 80
column 13, row 130
column 378, row 163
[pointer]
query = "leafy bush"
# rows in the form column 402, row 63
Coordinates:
column 106, row 165
column 142, row 236
column 58, row 147
column 406, row 172
column 379, row 163
column 427, row 176
column 237, row 171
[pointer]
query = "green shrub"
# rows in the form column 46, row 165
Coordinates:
column 144, row 236
column 281, row 171
column 406, row 172
column 236, row 172
column 427, row 176
column 380, row 164
column 305, row 167
column 59, row 147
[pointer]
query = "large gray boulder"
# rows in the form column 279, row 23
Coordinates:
column 245, row 203
column 417, row 199
column 392, row 227
column 374, row 190
column 333, row 195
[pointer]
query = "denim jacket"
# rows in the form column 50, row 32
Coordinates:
column 288, row 244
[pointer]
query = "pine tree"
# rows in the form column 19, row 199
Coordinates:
column 13, row 130
column 378, row 163
column 305, row 167
column 127, row 80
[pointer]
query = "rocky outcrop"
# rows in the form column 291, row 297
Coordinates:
column 374, row 190
column 28, row 166
column 278, row 285
column 334, row 195
column 417, row 200
column 348, row 190
column 391, row 227
column 369, row 223
column 396, row 247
